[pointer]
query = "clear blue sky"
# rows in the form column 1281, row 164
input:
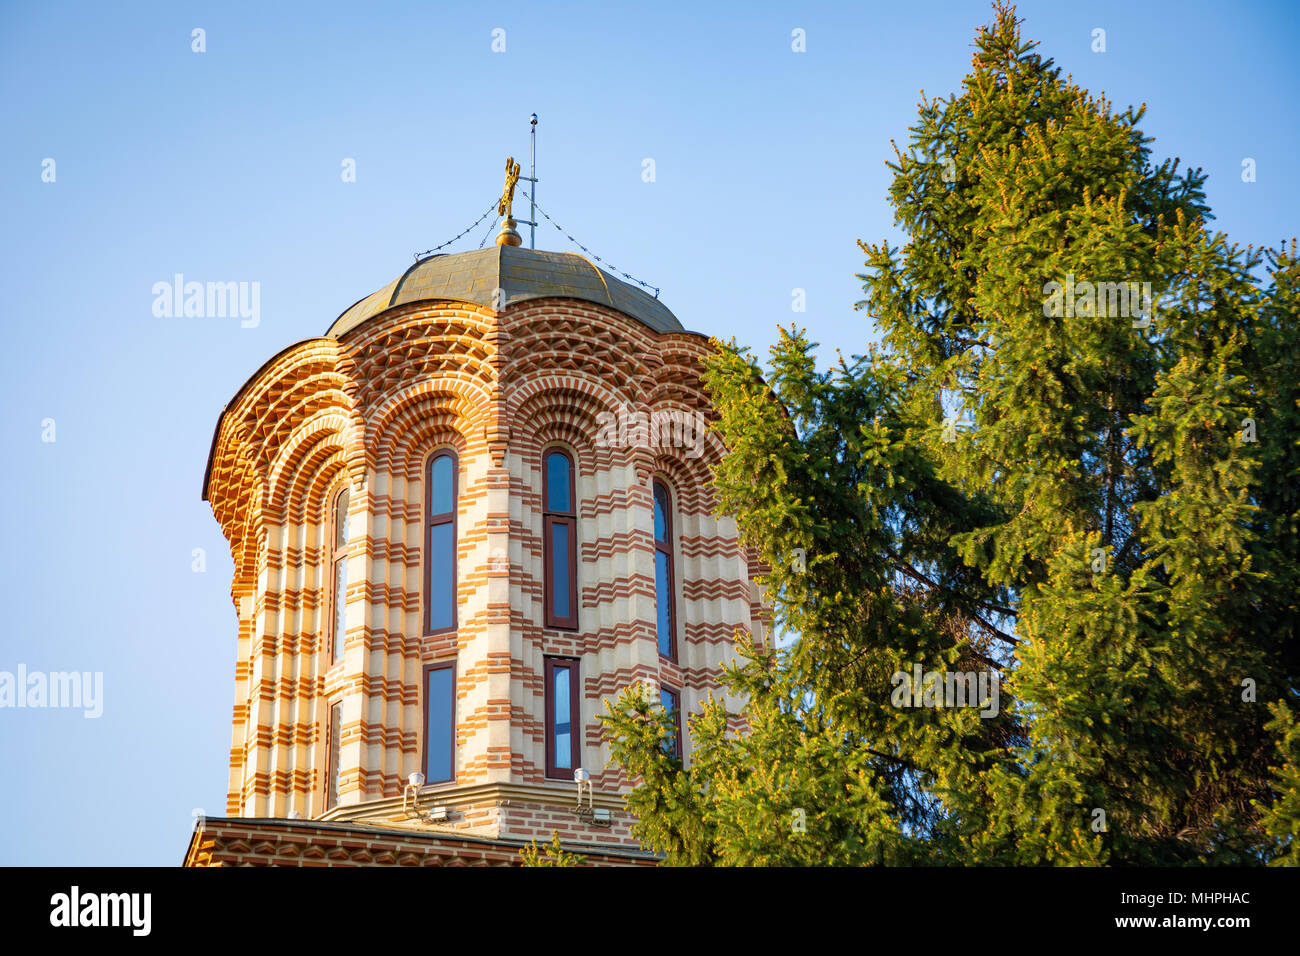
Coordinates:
column 225, row 166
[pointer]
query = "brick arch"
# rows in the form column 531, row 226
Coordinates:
column 302, row 361
column 294, row 386
column 283, row 414
column 396, row 325
column 305, row 369
column 311, row 479
column 565, row 389
column 697, row 467
column 579, row 432
column 576, row 426
column 326, row 429
column 678, row 376
column 569, row 407
column 470, row 390
column 672, row 391
column 235, row 471
column 420, row 441
column 464, row 408
column 691, row 481
column 450, row 343
column 236, row 467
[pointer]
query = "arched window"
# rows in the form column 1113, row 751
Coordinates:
column 665, row 586
column 339, row 574
column 440, row 544
column 559, row 540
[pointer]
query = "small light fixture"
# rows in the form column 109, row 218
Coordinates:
column 411, row 794
column 583, row 779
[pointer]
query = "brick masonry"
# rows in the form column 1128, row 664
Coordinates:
column 368, row 410
column 273, row 842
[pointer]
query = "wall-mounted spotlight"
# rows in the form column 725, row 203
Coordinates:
column 411, row 795
column 411, row 803
column 583, row 779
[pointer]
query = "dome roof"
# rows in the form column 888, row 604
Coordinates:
column 522, row 273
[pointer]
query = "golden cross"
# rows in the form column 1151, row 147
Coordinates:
column 508, row 194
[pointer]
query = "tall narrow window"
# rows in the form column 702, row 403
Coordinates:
column 333, row 737
column 559, row 540
column 440, row 722
column 665, row 604
column 440, row 546
column 563, row 724
column 339, row 575
column 671, row 701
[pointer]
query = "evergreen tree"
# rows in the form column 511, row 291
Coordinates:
column 552, row 854
column 1282, row 818
column 1071, row 462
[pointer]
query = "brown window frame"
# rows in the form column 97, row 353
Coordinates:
column 573, row 666
column 677, row 717
column 333, row 736
column 424, row 733
column 432, row 520
column 666, row 548
column 549, row 520
column 337, row 553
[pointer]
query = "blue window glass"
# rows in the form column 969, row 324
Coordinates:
column 442, row 576
column 665, row 586
column 562, row 716
column 560, row 710
column 440, row 560
column 661, row 513
column 663, row 602
column 559, row 541
column 444, row 485
column 559, row 475
column 440, row 724
column 560, row 570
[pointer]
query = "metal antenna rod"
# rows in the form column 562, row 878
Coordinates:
column 532, row 193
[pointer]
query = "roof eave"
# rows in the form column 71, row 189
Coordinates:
column 212, row 448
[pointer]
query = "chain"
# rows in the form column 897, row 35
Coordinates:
column 490, row 227
column 558, row 227
column 610, row 265
column 429, row 252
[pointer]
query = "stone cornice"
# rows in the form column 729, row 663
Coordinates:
column 560, row 795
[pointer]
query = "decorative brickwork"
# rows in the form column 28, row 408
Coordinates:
column 271, row 842
column 369, row 409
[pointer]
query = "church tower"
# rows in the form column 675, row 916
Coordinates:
column 475, row 508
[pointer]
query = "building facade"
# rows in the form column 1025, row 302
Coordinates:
column 471, row 512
